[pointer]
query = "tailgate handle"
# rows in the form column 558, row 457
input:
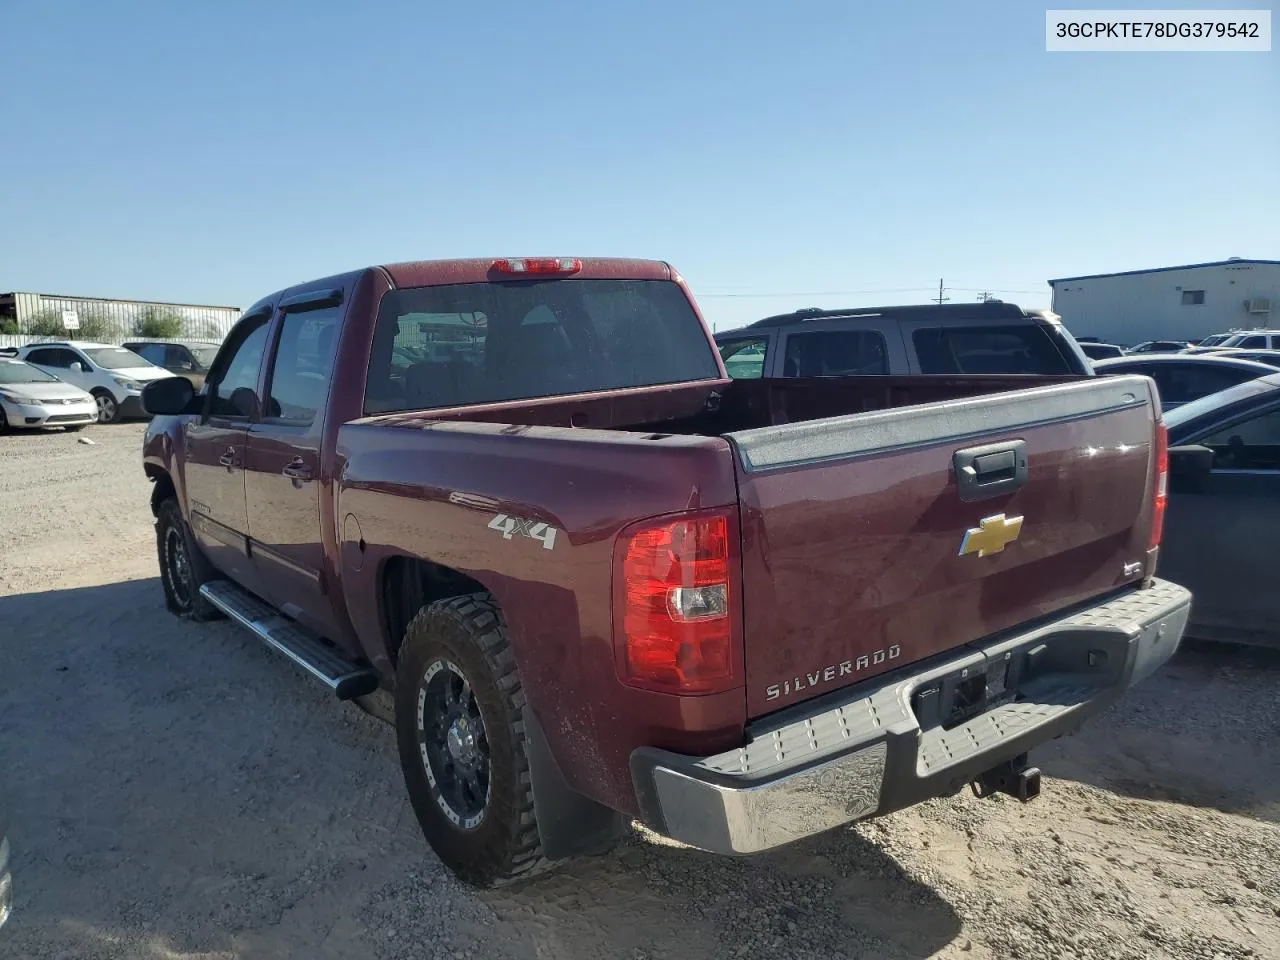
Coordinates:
column 992, row 470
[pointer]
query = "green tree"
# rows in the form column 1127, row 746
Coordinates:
column 9, row 325
column 95, row 325
column 45, row 323
column 158, row 322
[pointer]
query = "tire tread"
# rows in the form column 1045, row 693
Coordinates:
column 482, row 621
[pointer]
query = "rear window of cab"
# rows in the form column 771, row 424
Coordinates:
column 470, row 343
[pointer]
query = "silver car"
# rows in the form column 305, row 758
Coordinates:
column 32, row 399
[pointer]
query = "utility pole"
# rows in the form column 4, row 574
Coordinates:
column 940, row 298
column 984, row 296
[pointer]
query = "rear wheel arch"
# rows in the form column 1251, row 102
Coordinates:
column 406, row 584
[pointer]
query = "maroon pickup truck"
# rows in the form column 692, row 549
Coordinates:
column 606, row 583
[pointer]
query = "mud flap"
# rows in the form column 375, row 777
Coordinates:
column 570, row 824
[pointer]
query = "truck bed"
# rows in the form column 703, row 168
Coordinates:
column 849, row 564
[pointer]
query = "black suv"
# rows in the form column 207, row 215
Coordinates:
column 978, row 338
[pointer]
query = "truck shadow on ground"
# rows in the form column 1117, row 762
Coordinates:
column 1200, row 732
column 835, row 895
column 178, row 788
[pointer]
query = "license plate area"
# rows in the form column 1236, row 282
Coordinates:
column 960, row 696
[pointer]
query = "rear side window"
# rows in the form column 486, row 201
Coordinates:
column 1025, row 348
column 1182, row 383
column 488, row 342
column 301, row 367
column 835, row 353
column 744, row 359
column 151, row 352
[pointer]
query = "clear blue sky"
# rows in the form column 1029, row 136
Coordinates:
column 781, row 155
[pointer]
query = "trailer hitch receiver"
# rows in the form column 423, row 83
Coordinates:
column 1014, row 778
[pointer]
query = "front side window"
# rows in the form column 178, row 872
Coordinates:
column 470, row 343
column 204, row 355
column 744, row 359
column 1009, row 348
column 174, row 357
column 836, row 353
column 1252, row 444
column 150, row 352
column 301, row 366
column 236, row 392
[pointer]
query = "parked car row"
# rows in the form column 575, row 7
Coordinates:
column 73, row 383
column 1267, row 340
column 1182, row 378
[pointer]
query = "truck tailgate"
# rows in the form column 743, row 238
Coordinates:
column 875, row 540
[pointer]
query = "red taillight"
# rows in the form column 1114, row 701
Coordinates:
column 538, row 265
column 673, row 618
column 1160, row 498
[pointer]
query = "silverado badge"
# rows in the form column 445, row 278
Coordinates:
column 991, row 535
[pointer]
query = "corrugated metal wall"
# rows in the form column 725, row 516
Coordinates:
column 117, row 320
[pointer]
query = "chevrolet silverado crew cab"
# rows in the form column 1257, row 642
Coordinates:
column 604, row 582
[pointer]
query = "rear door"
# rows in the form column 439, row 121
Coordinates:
column 215, row 450
column 282, row 479
column 874, row 540
column 1220, row 533
column 58, row 361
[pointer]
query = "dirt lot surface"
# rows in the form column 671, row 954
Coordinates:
column 178, row 791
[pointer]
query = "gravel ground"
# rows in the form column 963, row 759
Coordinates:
column 180, row 792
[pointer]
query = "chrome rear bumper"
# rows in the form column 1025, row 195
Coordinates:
column 876, row 748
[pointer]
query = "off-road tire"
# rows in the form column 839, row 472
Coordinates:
column 182, row 593
column 470, row 632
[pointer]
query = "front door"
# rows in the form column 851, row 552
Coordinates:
column 285, row 493
column 215, row 453
column 1220, row 533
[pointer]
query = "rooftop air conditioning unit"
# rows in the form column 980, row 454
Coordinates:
column 1258, row 305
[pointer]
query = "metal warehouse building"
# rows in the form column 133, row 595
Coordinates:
column 104, row 319
column 1171, row 303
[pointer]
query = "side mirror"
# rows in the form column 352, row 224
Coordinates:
column 170, row 396
column 186, row 366
column 1189, row 468
column 76, row 367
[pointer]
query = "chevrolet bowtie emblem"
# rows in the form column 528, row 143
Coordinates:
column 992, row 535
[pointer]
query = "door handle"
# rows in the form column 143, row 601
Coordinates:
column 297, row 470
column 991, row 470
column 228, row 458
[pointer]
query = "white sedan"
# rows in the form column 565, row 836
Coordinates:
column 31, row 398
